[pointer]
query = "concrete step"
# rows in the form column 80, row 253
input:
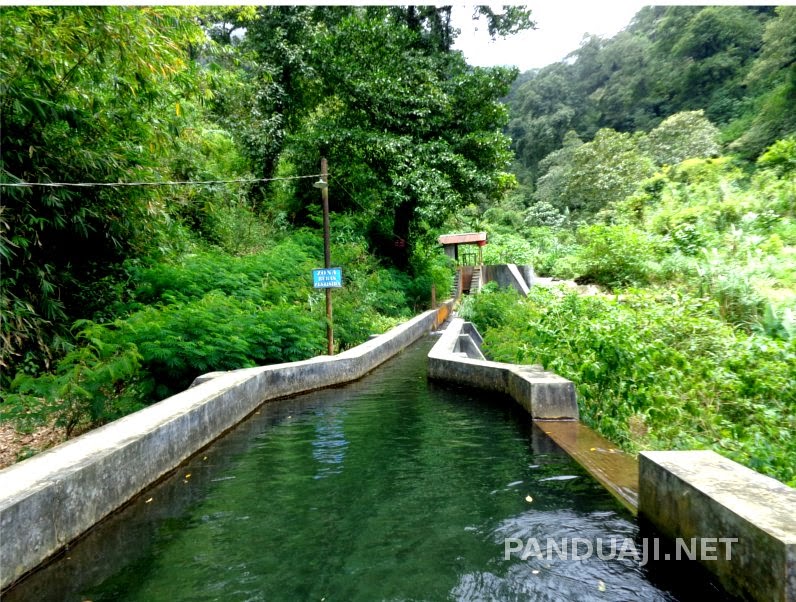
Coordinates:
column 475, row 283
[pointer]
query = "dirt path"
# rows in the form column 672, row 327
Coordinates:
column 583, row 289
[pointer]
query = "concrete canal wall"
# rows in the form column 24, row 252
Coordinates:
column 52, row 498
column 738, row 523
column 456, row 357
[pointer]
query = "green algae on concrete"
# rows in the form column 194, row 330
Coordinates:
column 614, row 469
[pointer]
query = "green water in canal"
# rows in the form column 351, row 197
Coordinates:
column 391, row 488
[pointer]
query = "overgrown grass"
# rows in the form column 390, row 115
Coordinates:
column 656, row 370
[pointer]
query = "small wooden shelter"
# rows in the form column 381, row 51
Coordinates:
column 451, row 242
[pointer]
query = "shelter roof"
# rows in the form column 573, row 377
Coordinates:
column 463, row 239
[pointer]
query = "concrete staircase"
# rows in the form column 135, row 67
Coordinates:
column 457, row 284
column 475, row 283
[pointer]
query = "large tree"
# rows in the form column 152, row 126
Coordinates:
column 410, row 130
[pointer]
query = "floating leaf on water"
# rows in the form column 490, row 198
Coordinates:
column 600, row 585
column 149, row 500
column 188, row 476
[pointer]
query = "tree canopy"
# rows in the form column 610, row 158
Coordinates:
column 733, row 63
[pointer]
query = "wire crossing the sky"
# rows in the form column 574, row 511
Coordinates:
column 165, row 183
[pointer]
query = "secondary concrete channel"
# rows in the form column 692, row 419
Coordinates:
column 739, row 524
column 49, row 500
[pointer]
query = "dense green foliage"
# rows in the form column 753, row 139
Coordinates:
column 412, row 132
column 656, row 370
column 114, row 296
column 212, row 311
column 88, row 94
column 120, row 94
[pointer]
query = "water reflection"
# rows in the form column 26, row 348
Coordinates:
column 559, row 565
column 329, row 445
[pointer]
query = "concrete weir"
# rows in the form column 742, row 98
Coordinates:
column 52, row 498
column 739, row 524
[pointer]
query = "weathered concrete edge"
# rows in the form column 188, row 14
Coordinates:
column 700, row 494
column 52, row 498
column 543, row 394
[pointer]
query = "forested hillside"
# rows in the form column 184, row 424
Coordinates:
column 660, row 165
column 734, row 63
column 158, row 212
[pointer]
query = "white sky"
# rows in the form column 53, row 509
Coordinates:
column 560, row 27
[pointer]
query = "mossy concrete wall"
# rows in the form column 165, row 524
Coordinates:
column 702, row 495
column 543, row 394
column 54, row 497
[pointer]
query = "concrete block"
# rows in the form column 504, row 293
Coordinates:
column 700, row 494
column 543, row 394
column 507, row 276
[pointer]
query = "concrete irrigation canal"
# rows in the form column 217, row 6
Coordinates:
column 406, row 468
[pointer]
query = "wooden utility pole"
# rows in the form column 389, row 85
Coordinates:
column 327, row 255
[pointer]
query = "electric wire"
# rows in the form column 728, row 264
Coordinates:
column 163, row 183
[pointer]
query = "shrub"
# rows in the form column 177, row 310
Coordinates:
column 94, row 383
column 739, row 302
column 616, row 256
column 507, row 248
column 657, row 371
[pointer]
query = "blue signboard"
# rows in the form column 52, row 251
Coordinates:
column 327, row 278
